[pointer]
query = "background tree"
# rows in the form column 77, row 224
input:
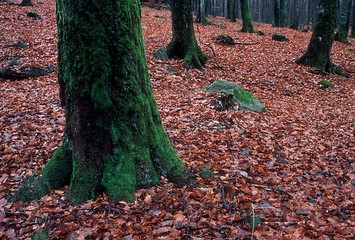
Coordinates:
column 114, row 141
column 232, row 10
column 319, row 48
column 353, row 21
column 283, row 14
column 344, row 19
column 277, row 13
column 280, row 13
column 246, row 17
column 295, row 17
column 184, row 44
column 201, row 11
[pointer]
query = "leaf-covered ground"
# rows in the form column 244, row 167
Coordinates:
column 291, row 167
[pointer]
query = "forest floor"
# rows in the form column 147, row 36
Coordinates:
column 290, row 167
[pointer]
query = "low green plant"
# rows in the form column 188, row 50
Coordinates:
column 325, row 84
column 41, row 235
column 206, row 173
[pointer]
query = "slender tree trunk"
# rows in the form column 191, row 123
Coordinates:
column 319, row 48
column 207, row 7
column 296, row 15
column 246, row 17
column 283, row 14
column 228, row 9
column 344, row 19
column 232, row 11
column 114, row 141
column 277, row 13
column 353, row 21
column 201, row 11
column 184, row 44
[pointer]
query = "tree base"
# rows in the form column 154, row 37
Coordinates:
column 192, row 55
column 323, row 65
column 120, row 177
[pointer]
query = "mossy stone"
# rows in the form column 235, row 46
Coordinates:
column 244, row 99
column 225, row 39
column 279, row 37
column 161, row 54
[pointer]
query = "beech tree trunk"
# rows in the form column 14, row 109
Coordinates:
column 319, row 48
column 233, row 13
column 184, row 44
column 114, row 141
column 277, row 13
column 201, row 11
column 283, row 15
column 344, row 20
column 353, row 21
column 295, row 15
column 246, row 17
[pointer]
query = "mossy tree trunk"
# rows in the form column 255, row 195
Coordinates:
column 295, row 15
column 277, row 10
column 280, row 13
column 228, row 9
column 246, row 17
column 283, row 14
column 232, row 10
column 184, row 44
column 320, row 45
column 344, row 20
column 114, row 141
column 26, row 3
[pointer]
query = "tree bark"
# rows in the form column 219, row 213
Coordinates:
column 232, row 10
column 114, row 141
column 184, row 44
column 246, row 17
column 353, row 21
column 344, row 20
column 295, row 15
column 201, row 11
column 283, row 15
column 319, row 48
column 277, row 13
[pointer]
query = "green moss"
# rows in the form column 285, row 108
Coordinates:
column 244, row 96
column 225, row 39
column 244, row 99
column 58, row 170
column 279, row 37
column 41, row 235
column 246, row 17
column 325, row 84
column 206, row 173
column 31, row 188
column 119, row 177
column 85, row 181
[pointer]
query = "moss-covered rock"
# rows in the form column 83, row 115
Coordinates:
column 161, row 54
column 260, row 33
column 225, row 39
column 279, row 37
column 244, row 99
